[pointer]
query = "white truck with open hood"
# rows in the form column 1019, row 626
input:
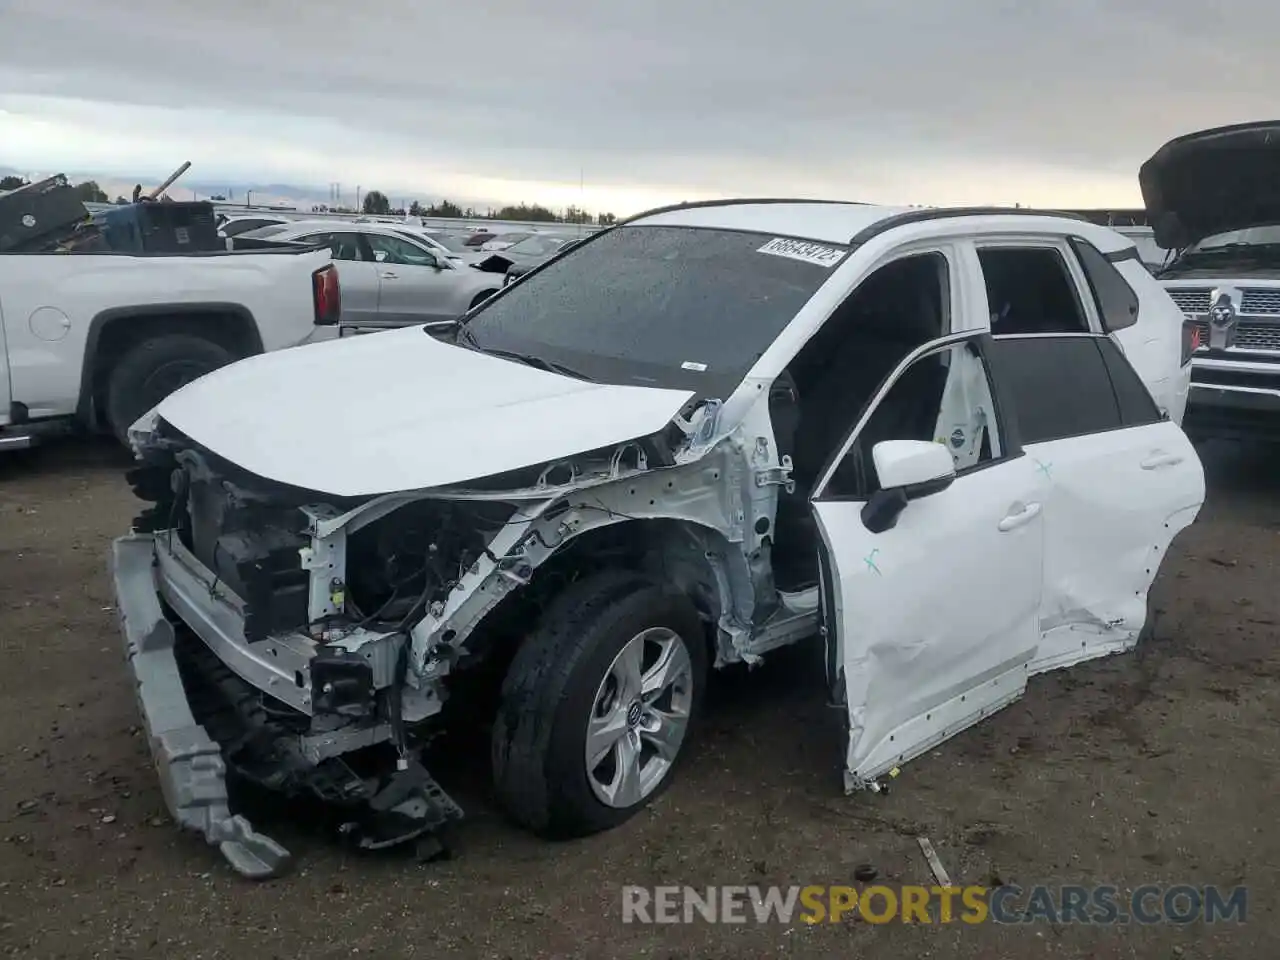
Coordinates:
column 1214, row 196
column 944, row 444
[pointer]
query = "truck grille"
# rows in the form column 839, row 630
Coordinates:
column 1264, row 302
column 1261, row 335
column 1249, row 336
column 1258, row 302
column 1191, row 301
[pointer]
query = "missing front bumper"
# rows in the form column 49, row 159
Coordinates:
column 192, row 743
column 188, row 761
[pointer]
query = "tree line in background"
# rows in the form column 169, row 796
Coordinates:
column 89, row 191
column 375, row 203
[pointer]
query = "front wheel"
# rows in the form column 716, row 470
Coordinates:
column 598, row 705
column 151, row 370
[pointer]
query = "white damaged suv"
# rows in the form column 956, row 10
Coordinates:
column 944, row 443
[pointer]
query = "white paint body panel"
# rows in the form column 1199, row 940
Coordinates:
column 401, row 410
column 1020, row 567
column 275, row 289
column 937, row 617
column 1153, row 345
column 1115, row 503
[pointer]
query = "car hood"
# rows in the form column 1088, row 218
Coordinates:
column 1213, row 181
column 400, row 410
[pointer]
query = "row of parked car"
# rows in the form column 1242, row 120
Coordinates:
column 394, row 274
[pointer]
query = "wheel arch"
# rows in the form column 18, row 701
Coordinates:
column 112, row 331
column 693, row 557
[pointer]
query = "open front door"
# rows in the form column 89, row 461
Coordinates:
column 932, row 528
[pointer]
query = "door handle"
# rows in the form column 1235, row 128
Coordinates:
column 1016, row 518
column 388, row 275
column 1158, row 460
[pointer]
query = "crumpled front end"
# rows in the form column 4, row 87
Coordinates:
column 308, row 643
column 255, row 660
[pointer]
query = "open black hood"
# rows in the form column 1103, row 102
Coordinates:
column 1212, row 181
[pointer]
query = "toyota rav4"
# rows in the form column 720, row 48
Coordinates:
column 942, row 444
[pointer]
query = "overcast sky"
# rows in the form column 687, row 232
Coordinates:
column 906, row 101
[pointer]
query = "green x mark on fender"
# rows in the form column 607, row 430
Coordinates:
column 870, row 560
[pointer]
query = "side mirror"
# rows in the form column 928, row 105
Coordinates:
column 379, row 255
column 908, row 470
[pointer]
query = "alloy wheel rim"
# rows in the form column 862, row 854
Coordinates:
column 639, row 718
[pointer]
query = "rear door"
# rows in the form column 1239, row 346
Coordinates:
column 932, row 622
column 357, row 276
column 414, row 286
column 1122, row 481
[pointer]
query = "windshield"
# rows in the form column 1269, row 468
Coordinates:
column 680, row 307
column 536, row 246
column 1253, row 236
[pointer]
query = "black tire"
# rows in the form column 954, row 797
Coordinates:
column 151, row 370
column 539, row 734
column 480, row 298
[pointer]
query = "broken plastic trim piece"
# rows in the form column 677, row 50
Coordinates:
column 189, row 763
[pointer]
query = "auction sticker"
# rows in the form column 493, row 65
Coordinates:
column 803, row 250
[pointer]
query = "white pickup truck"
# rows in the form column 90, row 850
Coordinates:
column 94, row 340
column 1211, row 196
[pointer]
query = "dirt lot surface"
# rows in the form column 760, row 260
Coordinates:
column 1160, row 767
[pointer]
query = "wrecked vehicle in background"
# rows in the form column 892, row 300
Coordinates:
column 944, row 442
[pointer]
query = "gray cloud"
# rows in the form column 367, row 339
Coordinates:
column 867, row 97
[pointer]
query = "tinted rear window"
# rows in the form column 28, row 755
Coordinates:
column 664, row 306
column 1059, row 386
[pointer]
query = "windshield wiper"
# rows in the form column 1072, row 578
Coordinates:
column 463, row 335
column 528, row 359
column 541, row 363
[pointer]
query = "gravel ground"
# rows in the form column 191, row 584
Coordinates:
column 1158, row 767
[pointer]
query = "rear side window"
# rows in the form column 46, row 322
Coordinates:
column 1136, row 404
column 1030, row 290
column 342, row 246
column 1059, row 386
column 1117, row 303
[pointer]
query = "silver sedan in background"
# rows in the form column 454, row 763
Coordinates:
column 389, row 276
